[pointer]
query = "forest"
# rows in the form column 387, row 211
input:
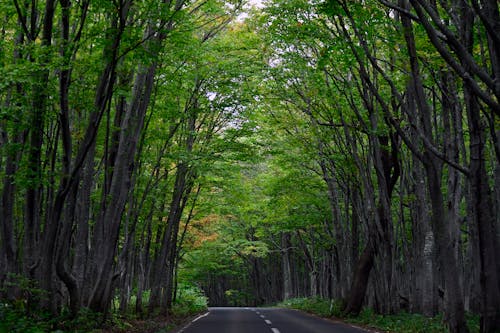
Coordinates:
column 247, row 154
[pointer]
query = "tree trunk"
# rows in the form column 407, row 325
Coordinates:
column 360, row 281
column 454, row 306
column 82, row 218
column 9, row 189
column 32, row 203
column 285, row 259
column 485, row 220
column 120, row 186
column 7, row 235
column 160, row 277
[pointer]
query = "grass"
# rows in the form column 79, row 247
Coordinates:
column 401, row 323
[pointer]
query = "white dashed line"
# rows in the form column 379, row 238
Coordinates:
column 199, row 317
column 192, row 321
column 275, row 330
column 268, row 322
column 262, row 316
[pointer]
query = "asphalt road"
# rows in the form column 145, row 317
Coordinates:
column 263, row 320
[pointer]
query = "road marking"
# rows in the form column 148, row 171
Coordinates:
column 192, row 321
column 199, row 317
column 262, row 316
column 275, row 330
column 257, row 312
column 268, row 322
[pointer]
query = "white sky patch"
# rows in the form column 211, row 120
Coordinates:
column 256, row 3
column 249, row 5
column 211, row 96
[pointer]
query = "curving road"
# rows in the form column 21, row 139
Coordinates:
column 263, row 320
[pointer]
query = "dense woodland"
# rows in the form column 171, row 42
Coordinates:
column 334, row 148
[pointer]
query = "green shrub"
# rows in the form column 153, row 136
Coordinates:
column 13, row 319
column 402, row 322
column 190, row 300
column 315, row 305
column 237, row 297
column 85, row 321
column 473, row 321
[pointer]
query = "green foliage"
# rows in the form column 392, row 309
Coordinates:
column 13, row 319
column 270, row 101
column 16, row 320
column 190, row 300
column 473, row 322
column 402, row 322
column 28, row 288
column 315, row 305
column 237, row 297
column 85, row 321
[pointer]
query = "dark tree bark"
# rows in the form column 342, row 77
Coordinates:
column 423, row 274
column 9, row 246
column 33, row 209
column 360, row 280
column 120, row 183
column 162, row 262
column 18, row 137
column 110, row 219
column 454, row 306
column 287, row 275
column 485, row 220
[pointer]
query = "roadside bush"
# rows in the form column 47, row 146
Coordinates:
column 190, row 300
column 315, row 305
column 402, row 322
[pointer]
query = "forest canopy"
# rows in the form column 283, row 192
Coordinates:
column 250, row 153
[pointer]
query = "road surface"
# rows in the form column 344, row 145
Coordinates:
column 263, row 320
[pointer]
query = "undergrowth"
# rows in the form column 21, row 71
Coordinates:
column 190, row 300
column 401, row 323
column 15, row 318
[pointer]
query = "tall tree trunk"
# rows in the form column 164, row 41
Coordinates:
column 287, row 275
column 9, row 189
column 366, row 261
column 454, row 306
column 423, row 246
column 360, row 280
column 355, row 221
column 110, row 219
column 7, row 232
column 82, row 219
column 33, row 211
column 482, row 200
column 160, row 277
column 120, row 184
column 485, row 221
